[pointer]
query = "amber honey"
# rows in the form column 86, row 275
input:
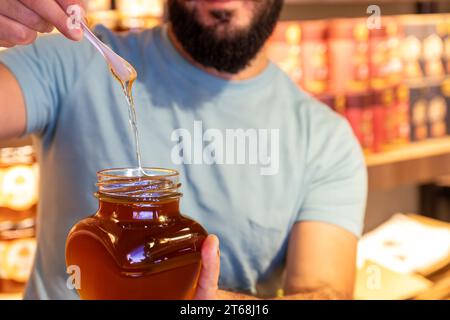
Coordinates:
column 137, row 245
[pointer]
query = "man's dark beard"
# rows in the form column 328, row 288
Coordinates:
column 229, row 53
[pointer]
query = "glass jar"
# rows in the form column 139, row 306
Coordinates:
column 423, row 46
column 18, row 199
column 418, row 113
column 17, row 249
column 137, row 245
column 356, row 113
column 378, row 57
column 348, row 55
column 284, row 49
column 447, row 45
column 378, row 120
column 401, row 97
column 314, row 56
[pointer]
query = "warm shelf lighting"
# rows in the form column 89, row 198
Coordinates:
column 97, row 5
column 18, row 199
column 140, row 8
column 18, row 178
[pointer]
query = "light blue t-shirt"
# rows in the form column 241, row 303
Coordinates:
column 302, row 160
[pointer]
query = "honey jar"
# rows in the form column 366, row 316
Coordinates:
column 137, row 245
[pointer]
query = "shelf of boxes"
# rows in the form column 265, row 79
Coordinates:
column 392, row 84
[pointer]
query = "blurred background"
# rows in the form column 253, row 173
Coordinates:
column 385, row 66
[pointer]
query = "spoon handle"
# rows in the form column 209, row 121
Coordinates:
column 121, row 68
column 93, row 39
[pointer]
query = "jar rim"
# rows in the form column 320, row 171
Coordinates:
column 129, row 184
column 151, row 173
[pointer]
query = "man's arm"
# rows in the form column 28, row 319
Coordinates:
column 20, row 21
column 321, row 263
column 12, row 106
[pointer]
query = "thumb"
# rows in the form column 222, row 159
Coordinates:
column 209, row 275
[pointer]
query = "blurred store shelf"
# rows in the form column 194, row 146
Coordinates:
column 417, row 150
column 395, row 262
column 16, row 296
column 439, row 274
column 414, row 163
column 19, row 142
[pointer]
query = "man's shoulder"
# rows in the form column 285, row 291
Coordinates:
column 304, row 104
column 318, row 121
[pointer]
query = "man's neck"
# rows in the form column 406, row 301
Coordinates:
column 256, row 66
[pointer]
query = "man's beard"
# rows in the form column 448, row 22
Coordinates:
column 228, row 53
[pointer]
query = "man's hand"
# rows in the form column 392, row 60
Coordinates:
column 320, row 265
column 21, row 20
column 207, row 287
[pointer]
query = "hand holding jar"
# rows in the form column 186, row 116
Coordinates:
column 138, row 245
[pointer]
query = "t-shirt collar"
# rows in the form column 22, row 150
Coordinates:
column 179, row 64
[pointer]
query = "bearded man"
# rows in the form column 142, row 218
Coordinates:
column 287, row 204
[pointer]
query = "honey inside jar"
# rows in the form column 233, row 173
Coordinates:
column 137, row 245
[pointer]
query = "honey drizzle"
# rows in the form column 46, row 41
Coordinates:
column 127, row 87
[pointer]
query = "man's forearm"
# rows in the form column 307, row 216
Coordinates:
column 324, row 293
column 12, row 105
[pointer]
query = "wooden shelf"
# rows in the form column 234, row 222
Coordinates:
column 412, row 151
column 11, row 296
column 415, row 163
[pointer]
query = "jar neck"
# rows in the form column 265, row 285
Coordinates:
column 135, row 211
column 128, row 194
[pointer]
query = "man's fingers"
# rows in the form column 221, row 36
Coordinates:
column 209, row 275
column 4, row 44
column 66, row 3
column 13, row 32
column 16, row 11
column 52, row 12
